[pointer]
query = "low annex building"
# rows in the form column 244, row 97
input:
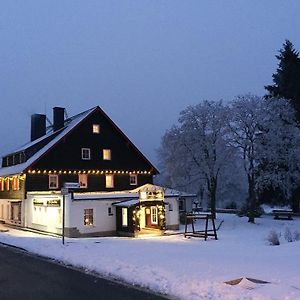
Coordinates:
column 116, row 194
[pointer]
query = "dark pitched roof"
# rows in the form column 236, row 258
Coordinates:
column 45, row 143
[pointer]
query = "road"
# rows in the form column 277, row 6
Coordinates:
column 23, row 276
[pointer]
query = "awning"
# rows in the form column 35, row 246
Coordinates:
column 127, row 203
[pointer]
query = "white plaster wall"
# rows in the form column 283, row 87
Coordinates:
column 102, row 221
column 52, row 220
column 172, row 217
column 4, row 210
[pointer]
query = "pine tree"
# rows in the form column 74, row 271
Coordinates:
column 287, row 77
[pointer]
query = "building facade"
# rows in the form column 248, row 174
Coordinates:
column 88, row 149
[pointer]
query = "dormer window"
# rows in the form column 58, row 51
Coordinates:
column 106, row 154
column 96, row 128
column 85, row 153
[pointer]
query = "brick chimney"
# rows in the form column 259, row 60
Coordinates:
column 38, row 126
column 58, row 118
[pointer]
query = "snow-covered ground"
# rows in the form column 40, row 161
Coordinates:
column 187, row 268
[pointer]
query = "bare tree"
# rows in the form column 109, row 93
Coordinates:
column 197, row 146
column 264, row 132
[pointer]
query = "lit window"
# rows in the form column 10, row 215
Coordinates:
column 86, row 153
column 83, row 180
column 106, row 154
column 16, row 183
column 153, row 215
column 133, row 179
column 109, row 181
column 53, row 181
column 7, row 184
column 96, row 128
column 124, row 217
column 88, row 218
column 2, row 185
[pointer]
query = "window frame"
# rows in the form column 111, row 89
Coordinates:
column 16, row 184
column 124, row 217
column 154, row 213
column 83, row 150
column 106, row 154
column 109, row 211
column 88, row 217
column 84, row 181
column 2, row 184
column 56, row 181
column 131, row 176
column 112, row 185
column 7, row 184
column 96, row 128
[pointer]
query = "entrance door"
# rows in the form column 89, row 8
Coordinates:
column 151, row 217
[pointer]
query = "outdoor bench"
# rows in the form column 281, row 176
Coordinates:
column 282, row 214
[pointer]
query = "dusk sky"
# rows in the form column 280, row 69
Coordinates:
column 141, row 61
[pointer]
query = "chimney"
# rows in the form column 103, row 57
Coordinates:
column 58, row 118
column 38, row 126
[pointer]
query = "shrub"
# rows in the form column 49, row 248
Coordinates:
column 273, row 238
column 288, row 235
column 245, row 211
column 296, row 235
column 231, row 205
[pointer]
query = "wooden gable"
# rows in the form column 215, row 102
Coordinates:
column 66, row 154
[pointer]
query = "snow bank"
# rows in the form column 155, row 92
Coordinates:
column 186, row 268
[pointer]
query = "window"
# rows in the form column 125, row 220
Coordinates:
column 181, row 204
column 7, row 184
column 106, row 154
column 170, row 206
column 109, row 210
column 153, row 215
column 2, row 184
column 96, row 128
column 133, row 179
column 16, row 183
column 88, row 219
column 124, row 217
column 109, row 181
column 83, row 180
column 86, row 153
column 53, row 181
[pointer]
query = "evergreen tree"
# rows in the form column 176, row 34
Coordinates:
column 287, row 77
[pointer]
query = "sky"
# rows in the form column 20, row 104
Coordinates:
column 141, row 61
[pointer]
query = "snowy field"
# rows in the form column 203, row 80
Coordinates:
column 187, row 268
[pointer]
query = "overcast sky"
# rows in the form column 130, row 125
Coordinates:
column 141, row 61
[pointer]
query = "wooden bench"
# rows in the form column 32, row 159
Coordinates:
column 282, row 214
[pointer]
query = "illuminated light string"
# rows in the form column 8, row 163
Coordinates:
column 94, row 172
column 20, row 177
column 161, row 211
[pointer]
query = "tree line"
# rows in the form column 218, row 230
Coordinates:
column 247, row 150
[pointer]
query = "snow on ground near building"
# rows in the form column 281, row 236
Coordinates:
column 187, row 268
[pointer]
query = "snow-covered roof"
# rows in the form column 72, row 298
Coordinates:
column 71, row 123
column 117, row 195
column 105, row 195
column 167, row 191
column 127, row 203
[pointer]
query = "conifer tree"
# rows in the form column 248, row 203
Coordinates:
column 287, row 77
